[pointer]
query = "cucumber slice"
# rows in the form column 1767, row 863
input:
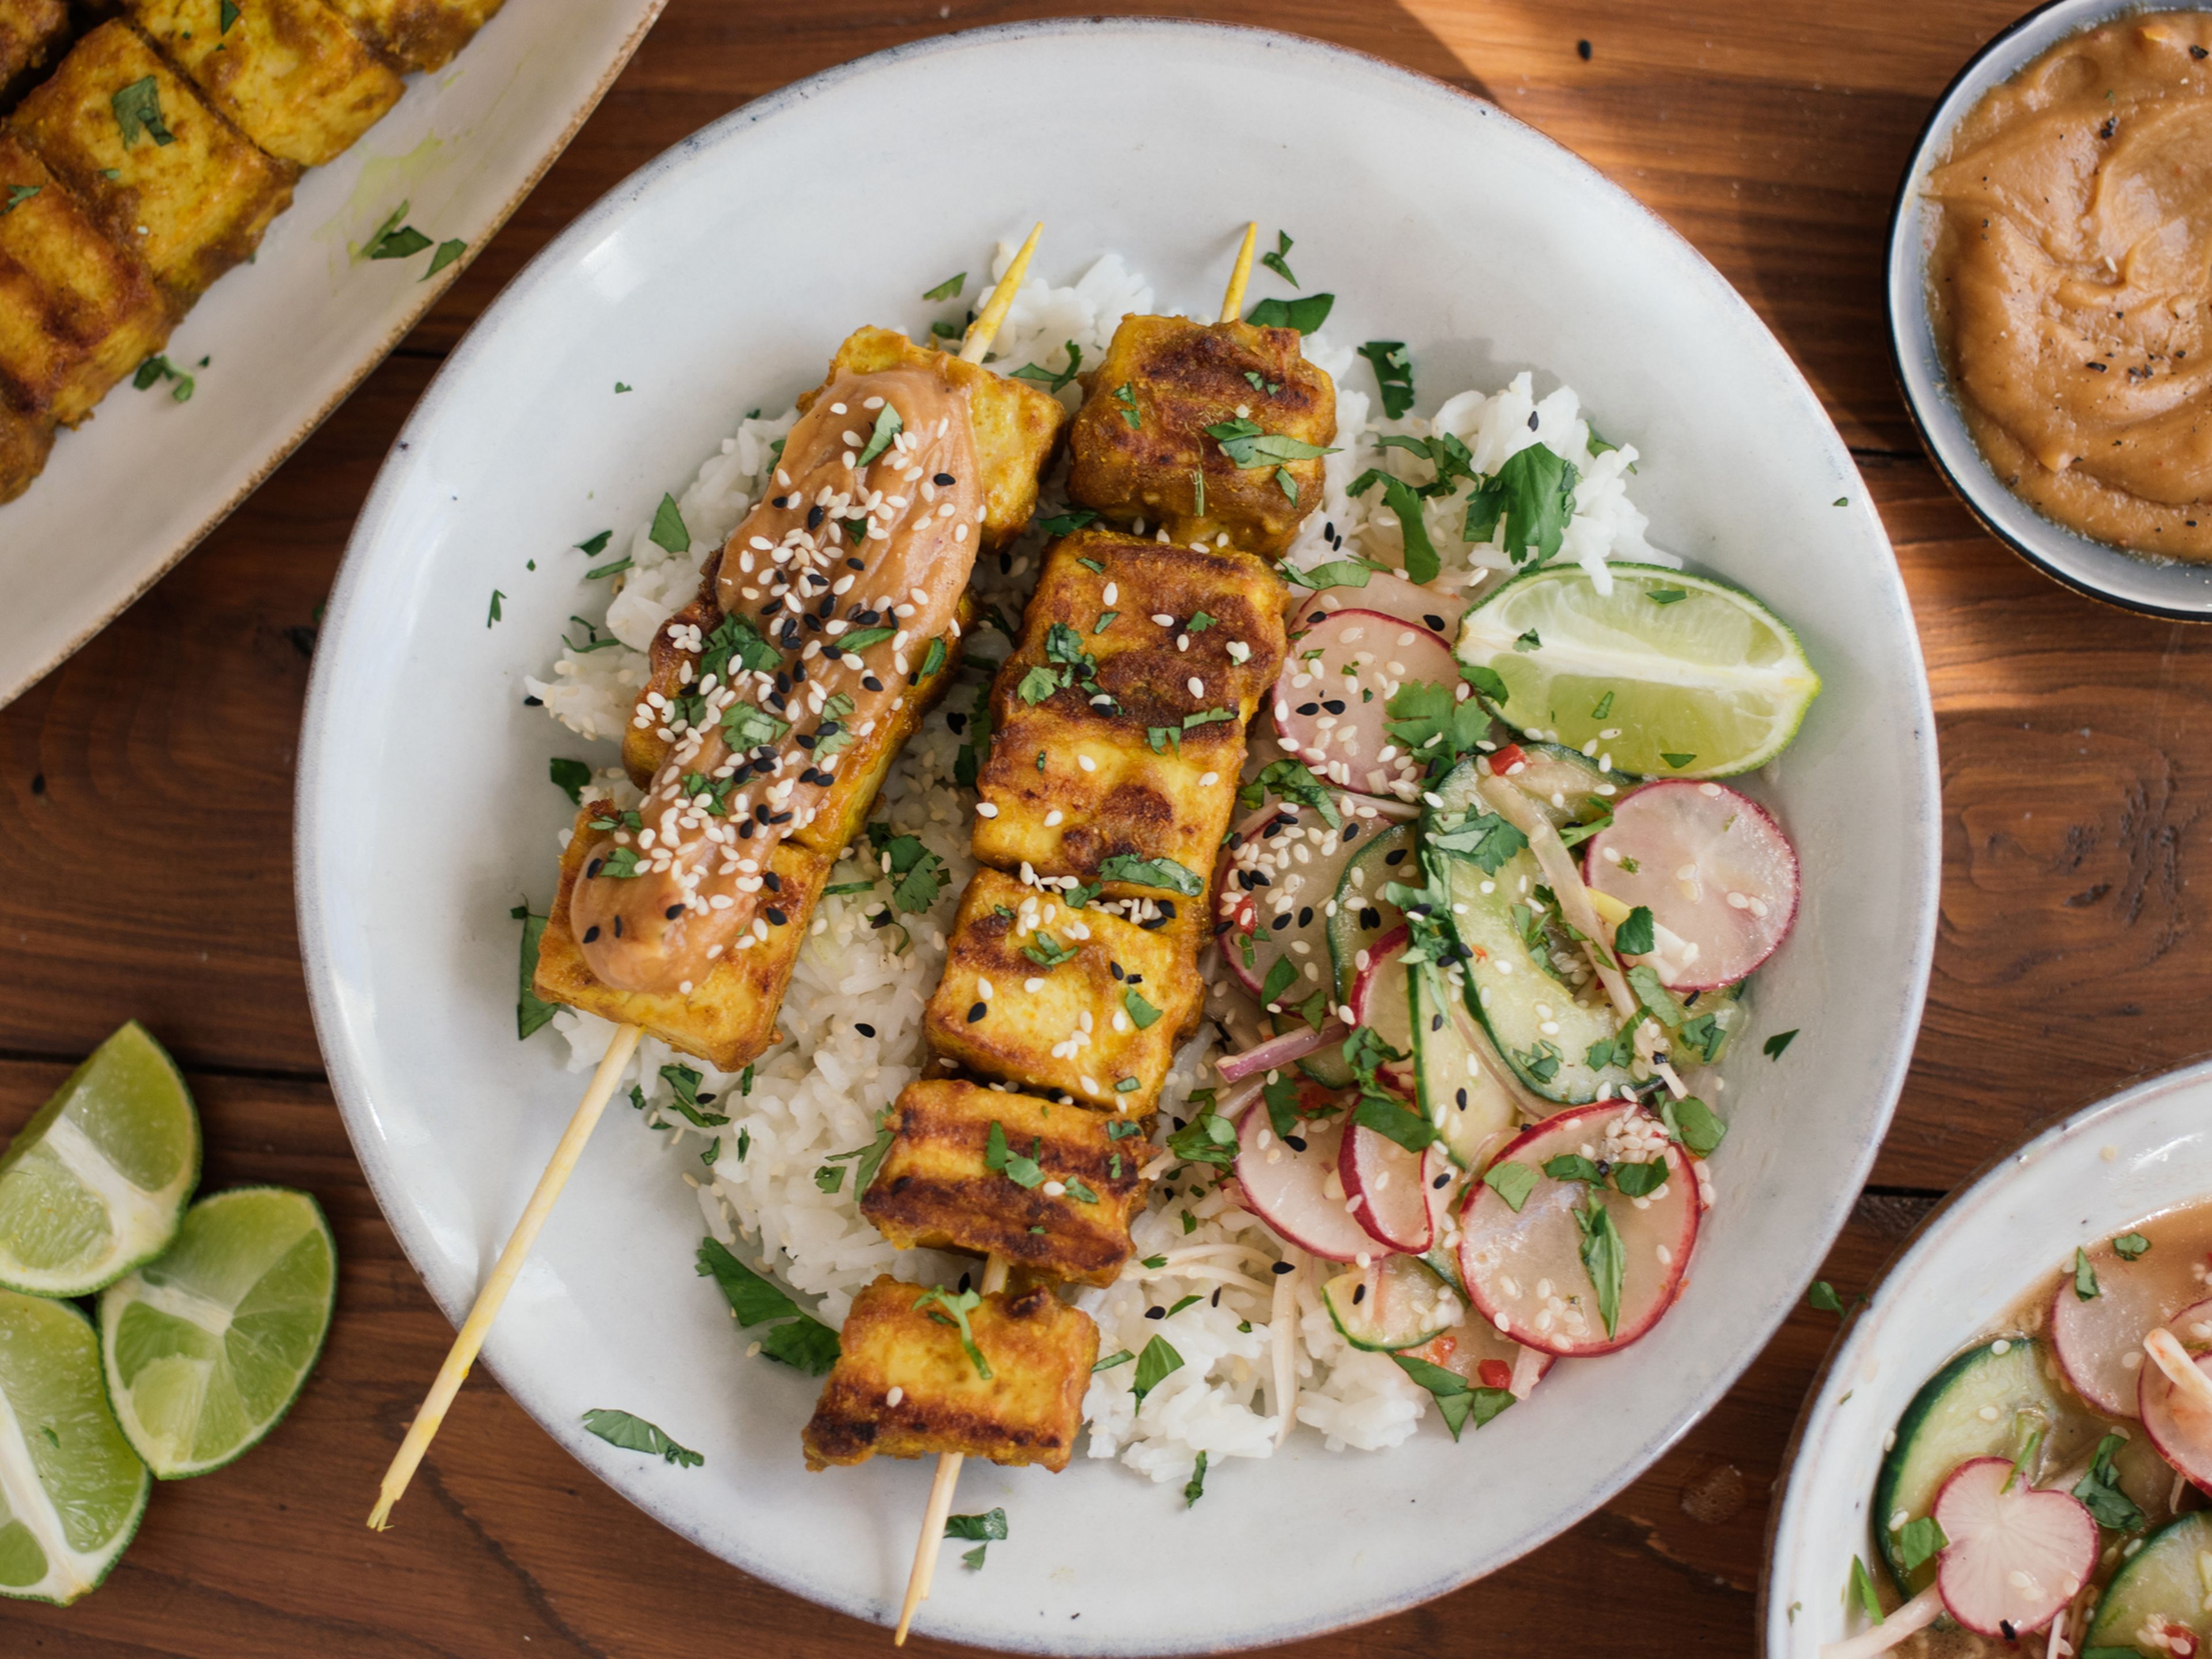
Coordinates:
column 1362, row 915
column 1567, row 786
column 1443, row 1262
column 1397, row 1303
column 2162, row 1584
column 1455, row 1090
column 1540, row 1028
column 1985, row 1403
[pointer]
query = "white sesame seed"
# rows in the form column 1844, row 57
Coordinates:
column 984, row 809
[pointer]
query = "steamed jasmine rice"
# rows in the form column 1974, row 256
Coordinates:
column 1253, row 1340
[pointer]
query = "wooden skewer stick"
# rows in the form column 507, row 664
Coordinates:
column 926, row 1546
column 463, row 1354
column 1233, row 301
column 985, row 328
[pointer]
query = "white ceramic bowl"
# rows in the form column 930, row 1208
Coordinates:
column 127, row 495
column 2164, row 587
column 2143, row 1150
column 721, row 278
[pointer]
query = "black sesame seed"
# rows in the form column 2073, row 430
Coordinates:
column 1318, row 616
column 1462, row 1099
column 1136, row 979
column 1156, row 1311
column 1436, row 623
column 1305, row 915
column 1532, row 420
column 591, row 934
column 814, row 517
column 1295, row 1143
column 945, row 481
column 1370, row 917
column 1115, row 967
column 777, row 917
column 1279, row 1268
column 617, row 926
column 870, row 682
column 1358, row 1294
column 527, row 703
column 1395, row 855
column 977, row 1013
column 868, row 1031
column 857, row 564
column 673, row 912
column 745, row 830
column 771, row 881
column 780, row 502
column 1334, row 705
column 882, row 919
column 1283, row 920
column 1582, row 50
column 1314, row 708
column 593, row 868
column 954, row 722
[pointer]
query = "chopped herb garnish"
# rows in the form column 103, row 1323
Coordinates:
column 531, row 1012
column 999, row 1156
column 1304, row 314
column 1512, row 1182
column 1678, row 762
column 137, row 109
column 154, row 370
column 1605, row 1258
column 1064, row 523
column 636, row 1434
column 977, row 1529
column 1774, row 1045
column 1150, row 873
column 1126, row 395
column 17, row 195
column 1141, row 1012
column 2085, row 1276
column 1393, row 375
column 1158, row 1362
column 958, row 1307
column 451, row 250
column 597, row 544
column 1105, row 621
column 1636, row 935
column 948, row 289
column 1666, row 595
column 1693, row 1123
column 1194, row 1488
column 570, row 776
column 805, row 1344
column 2099, row 1489
column 1119, row 1356
column 612, row 568
column 829, row 1178
column 1277, row 261
column 1918, row 1542
column 1533, row 495
column 493, row 616
column 226, row 14
column 1822, row 1297
column 889, row 425
column 1053, row 380
column 1250, row 446
column 668, row 529
column 920, row 872
column 2130, row 1246
column 1861, row 1588
column 1456, row 1399
column 1047, row 952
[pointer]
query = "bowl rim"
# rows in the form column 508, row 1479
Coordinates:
column 313, row 855
column 2062, row 554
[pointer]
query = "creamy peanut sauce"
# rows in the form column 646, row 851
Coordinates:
column 846, row 550
column 2070, row 277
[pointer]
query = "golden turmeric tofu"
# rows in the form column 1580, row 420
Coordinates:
column 937, row 1188
column 25, row 438
column 32, row 35
column 729, row 1018
column 1016, row 425
column 1142, row 447
column 845, row 808
column 1039, row 1353
column 423, row 35
column 1150, row 773
column 77, row 313
column 291, row 75
column 1080, row 1002
column 161, row 173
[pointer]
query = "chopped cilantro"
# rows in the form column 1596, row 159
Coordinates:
column 1278, row 263
column 1304, row 314
column 889, row 425
column 1249, row 447
column 2085, row 1276
column 958, row 1307
column 1053, row 380
column 668, row 529
column 1781, row 1040
column 2130, row 1246
column 570, row 776
column 451, row 250
column 531, row 1012
column 1512, row 1182
column 1150, row 873
column 1158, row 1362
column 1533, row 495
column 633, row 1433
column 137, row 109
column 948, row 289
column 1393, row 375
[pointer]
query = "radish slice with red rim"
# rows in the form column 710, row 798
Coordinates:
column 1715, row 870
column 2179, row 1424
column 1381, row 1000
column 2017, row 1555
column 1272, row 889
column 1394, row 596
column 1295, row 1188
column 1386, row 1181
column 1473, row 1350
column 2099, row 1342
column 1526, row 1270
column 1330, row 704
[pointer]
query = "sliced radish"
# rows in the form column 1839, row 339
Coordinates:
column 1439, row 1175
column 1276, row 879
column 2180, row 1420
column 2099, row 1341
column 1285, row 1050
column 1473, row 1350
column 1296, row 1189
column 1387, row 1181
column 1330, row 701
column 1715, row 869
column 1524, row 1270
column 1394, row 596
column 2017, row 1555
column 1379, row 993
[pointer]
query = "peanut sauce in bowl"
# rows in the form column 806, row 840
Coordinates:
column 2050, row 297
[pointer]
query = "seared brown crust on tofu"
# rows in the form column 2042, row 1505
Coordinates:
column 25, row 438
column 76, row 312
column 1017, row 426
column 291, row 74
column 860, row 773
column 191, row 208
column 728, row 1018
column 1145, row 792
column 1040, row 1351
column 423, row 35
column 935, row 1189
column 1182, row 377
column 1014, row 1031
column 31, row 34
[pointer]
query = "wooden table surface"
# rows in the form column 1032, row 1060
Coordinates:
column 146, row 791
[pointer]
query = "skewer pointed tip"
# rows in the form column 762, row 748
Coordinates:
column 1233, row 301
column 985, row 328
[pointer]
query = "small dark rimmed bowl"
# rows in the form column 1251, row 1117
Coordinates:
column 2162, row 587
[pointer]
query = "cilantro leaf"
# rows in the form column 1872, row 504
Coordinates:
column 1393, row 375
column 1774, row 1045
column 1150, row 873
column 1304, row 314
column 1158, row 1362
column 889, row 425
column 2085, row 1277
column 137, row 109
column 988, row 1527
column 1512, row 1182
column 1634, row 937
column 531, row 1012
column 1533, row 492
column 1605, row 1258
column 956, row 1308
column 998, row 1155
column 1456, row 1399
column 2130, row 1246
column 948, row 289
column 668, row 529
column 806, row 1344
column 1822, row 1297
column 1422, row 564
column 632, row 1433
column 2099, row 1489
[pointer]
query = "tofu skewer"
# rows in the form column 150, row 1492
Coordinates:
column 1073, row 612
column 470, row 1338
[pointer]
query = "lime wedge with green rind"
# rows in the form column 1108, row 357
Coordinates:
column 95, row 1182
column 206, row 1348
column 71, row 1489
column 1704, row 685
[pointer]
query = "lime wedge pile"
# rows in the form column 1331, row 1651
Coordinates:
column 94, row 1183
column 206, row 1347
column 1671, row 675
column 210, row 1318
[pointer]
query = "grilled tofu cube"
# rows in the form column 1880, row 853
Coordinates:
column 1039, row 1352
column 1096, row 976
column 32, row 35
column 936, row 1189
column 77, row 313
column 1141, row 444
column 188, row 194
column 290, row 73
column 729, row 1018
column 25, row 438
column 859, row 776
column 423, row 35
column 1016, row 425
column 1070, row 784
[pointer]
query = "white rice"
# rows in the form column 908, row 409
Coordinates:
column 817, row 1092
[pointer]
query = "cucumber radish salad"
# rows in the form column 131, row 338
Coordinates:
column 2045, row 1490
column 1496, row 913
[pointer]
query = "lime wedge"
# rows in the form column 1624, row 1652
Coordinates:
column 1670, row 674
column 71, row 1489
column 206, row 1347
column 94, row 1183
